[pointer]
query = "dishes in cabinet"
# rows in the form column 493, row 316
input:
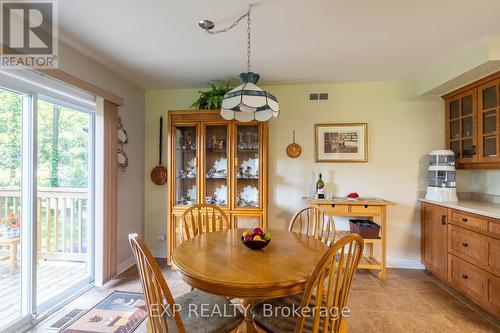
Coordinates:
column 220, row 195
column 191, row 195
column 219, row 169
column 249, row 168
column 249, row 196
column 191, row 165
column 190, row 170
column 248, row 140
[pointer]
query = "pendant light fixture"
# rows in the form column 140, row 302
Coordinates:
column 246, row 102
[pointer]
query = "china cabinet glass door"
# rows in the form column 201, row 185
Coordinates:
column 247, row 162
column 186, row 162
column 488, row 121
column 216, row 162
column 461, row 115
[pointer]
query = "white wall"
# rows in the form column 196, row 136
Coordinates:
column 130, row 183
column 402, row 127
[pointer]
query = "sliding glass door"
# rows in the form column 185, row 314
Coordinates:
column 63, row 207
column 46, row 199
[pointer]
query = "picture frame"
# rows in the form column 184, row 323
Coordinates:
column 341, row 142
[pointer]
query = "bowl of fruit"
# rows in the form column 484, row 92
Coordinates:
column 256, row 239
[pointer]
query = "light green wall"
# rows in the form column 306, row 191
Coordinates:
column 402, row 127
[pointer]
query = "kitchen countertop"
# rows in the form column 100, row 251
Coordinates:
column 484, row 208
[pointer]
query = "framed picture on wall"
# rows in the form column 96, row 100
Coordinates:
column 341, row 142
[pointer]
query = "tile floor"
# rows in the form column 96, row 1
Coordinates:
column 409, row 301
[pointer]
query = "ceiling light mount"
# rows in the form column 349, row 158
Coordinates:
column 206, row 24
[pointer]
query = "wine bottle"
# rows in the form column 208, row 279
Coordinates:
column 320, row 188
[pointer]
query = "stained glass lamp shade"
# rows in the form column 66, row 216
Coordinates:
column 248, row 102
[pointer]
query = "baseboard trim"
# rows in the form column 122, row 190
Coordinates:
column 408, row 264
column 124, row 265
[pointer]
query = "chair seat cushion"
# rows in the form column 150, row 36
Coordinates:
column 270, row 316
column 204, row 312
column 276, row 323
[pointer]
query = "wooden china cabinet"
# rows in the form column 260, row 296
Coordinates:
column 473, row 124
column 212, row 160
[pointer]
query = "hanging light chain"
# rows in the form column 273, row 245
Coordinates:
column 234, row 24
column 248, row 40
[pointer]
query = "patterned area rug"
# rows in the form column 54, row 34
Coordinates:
column 120, row 312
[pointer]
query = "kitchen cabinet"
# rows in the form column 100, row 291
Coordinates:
column 434, row 239
column 463, row 249
column 472, row 120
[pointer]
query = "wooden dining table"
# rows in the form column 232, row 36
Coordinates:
column 219, row 263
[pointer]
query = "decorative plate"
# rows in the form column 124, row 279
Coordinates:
column 220, row 195
column 122, row 159
column 250, row 167
column 122, row 134
column 220, row 166
column 249, row 196
column 191, row 193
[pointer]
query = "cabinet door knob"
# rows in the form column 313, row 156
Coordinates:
column 464, row 219
column 465, row 244
column 464, row 276
column 443, row 219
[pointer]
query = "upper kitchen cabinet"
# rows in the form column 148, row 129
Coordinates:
column 488, row 122
column 461, row 117
column 472, row 124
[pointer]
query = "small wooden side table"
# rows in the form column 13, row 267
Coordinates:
column 362, row 207
column 12, row 244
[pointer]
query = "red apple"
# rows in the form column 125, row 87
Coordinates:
column 258, row 232
column 248, row 238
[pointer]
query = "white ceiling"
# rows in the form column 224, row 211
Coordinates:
column 157, row 43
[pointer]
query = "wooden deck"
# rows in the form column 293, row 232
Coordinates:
column 53, row 277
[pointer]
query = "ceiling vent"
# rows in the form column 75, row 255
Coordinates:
column 318, row 96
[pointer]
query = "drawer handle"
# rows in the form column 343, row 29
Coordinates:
column 443, row 219
column 464, row 219
column 333, row 205
column 464, row 276
column 366, row 206
column 465, row 244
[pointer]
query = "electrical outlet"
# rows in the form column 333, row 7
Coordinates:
column 161, row 237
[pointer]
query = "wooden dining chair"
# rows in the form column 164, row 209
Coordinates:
column 327, row 288
column 160, row 303
column 314, row 222
column 203, row 218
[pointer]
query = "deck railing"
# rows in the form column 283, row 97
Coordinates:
column 62, row 220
